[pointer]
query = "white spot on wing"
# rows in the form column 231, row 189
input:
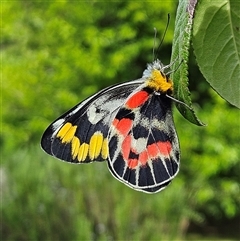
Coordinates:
column 139, row 145
column 93, row 116
column 102, row 109
column 57, row 124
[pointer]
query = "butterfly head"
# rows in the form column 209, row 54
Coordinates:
column 157, row 79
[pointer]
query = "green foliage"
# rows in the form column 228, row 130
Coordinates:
column 216, row 44
column 55, row 55
column 180, row 58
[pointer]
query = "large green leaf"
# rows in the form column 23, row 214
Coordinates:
column 179, row 60
column 216, row 42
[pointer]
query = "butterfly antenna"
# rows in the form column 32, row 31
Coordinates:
column 170, row 65
column 164, row 34
column 154, row 43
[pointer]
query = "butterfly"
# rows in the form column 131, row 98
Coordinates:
column 129, row 125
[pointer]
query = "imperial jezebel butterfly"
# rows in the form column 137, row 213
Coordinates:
column 130, row 125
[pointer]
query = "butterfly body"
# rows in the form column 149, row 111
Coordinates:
column 130, row 125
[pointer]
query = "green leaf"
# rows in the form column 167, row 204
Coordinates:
column 179, row 60
column 216, row 42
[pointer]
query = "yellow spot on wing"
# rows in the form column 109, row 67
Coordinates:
column 75, row 147
column 82, row 152
column 63, row 130
column 67, row 132
column 95, row 145
column 159, row 82
column 104, row 152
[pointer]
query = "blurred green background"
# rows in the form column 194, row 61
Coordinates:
column 55, row 54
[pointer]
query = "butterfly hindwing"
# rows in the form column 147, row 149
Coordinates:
column 143, row 142
column 80, row 135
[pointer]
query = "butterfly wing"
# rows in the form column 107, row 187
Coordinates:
column 80, row 135
column 143, row 142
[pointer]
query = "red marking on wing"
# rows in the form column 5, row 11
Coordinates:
column 123, row 126
column 126, row 145
column 132, row 163
column 126, row 148
column 163, row 147
column 143, row 158
column 152, row 152
column 137, row 99
column 115, row 122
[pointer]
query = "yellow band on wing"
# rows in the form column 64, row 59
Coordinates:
column 98, row 145
column 82, row 152
column 75, row 147
column 95, row 145
column 67, row 132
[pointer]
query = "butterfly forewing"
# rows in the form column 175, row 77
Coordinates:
column 80, row 135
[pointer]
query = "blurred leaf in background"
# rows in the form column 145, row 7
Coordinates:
column 54, row 55
column 216, row 42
